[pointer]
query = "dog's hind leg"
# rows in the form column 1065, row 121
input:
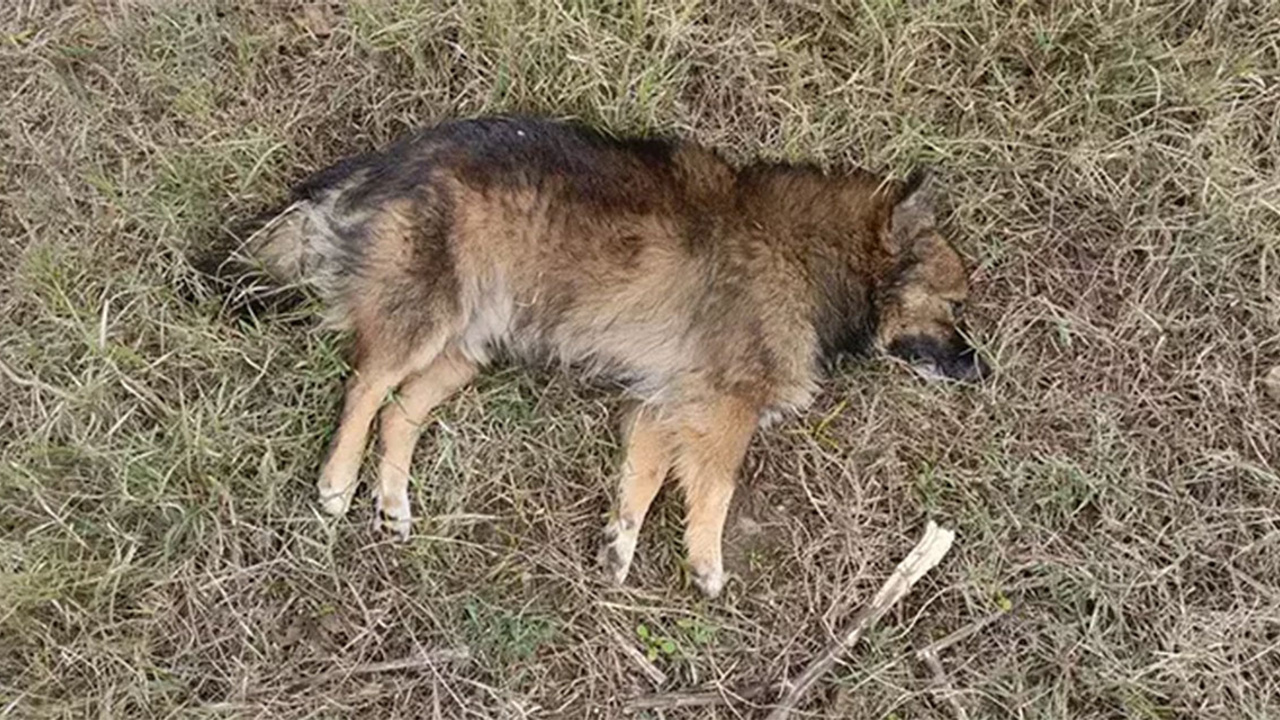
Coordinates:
column 402, row 423
column 647, row 461
column 711, row 447
column 391, row 277
column 378, row 371
column 364, row 394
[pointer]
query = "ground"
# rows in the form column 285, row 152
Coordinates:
column 1110, row 169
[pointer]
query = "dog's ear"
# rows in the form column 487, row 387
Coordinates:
column 913, row 212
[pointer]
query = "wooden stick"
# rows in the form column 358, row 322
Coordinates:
column 942, row 682
column 923, row 557
column 413, row 662
column 677, row 700
column 36, row 383
column 963, row 633
column 651, row 671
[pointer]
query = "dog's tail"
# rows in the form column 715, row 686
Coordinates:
column 258, row 264
column 278, row 244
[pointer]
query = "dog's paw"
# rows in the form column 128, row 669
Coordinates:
column 398, row 528
column 335, row 488
column 710, row 582
column 336, row 502
column 618, row 551
column 394, row 516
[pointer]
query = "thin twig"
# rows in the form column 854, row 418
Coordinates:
column 651, row 671
column 414, row 662
column 943, row 683
column 950, row 639
column 38, row 384
column 677, row 700
column 923, row 557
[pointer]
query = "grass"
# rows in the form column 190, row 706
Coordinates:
column 1111, row 168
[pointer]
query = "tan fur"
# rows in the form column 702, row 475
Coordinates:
column 648, row 456
column 716, row 293
column 401, row 424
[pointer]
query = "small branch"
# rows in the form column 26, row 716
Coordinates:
column 651, row 671
column 36, row 383
column 963, row 633
column 677, row 700
column 923, row 557
column 414, row 662
column 943, row 683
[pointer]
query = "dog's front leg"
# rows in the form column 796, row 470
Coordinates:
column 645, row 466
column 711, row 445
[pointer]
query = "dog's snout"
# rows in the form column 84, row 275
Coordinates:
column 953, row 358
column 967, row 366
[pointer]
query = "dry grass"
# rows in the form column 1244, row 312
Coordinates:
column 1111, row 168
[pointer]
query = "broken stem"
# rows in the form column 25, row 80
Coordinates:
column 923, row 557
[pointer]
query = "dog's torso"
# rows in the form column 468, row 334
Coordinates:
column 651, row 260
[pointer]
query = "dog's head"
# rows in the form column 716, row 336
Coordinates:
column 921, row 304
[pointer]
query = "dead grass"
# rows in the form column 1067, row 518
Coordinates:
column 1112, row 168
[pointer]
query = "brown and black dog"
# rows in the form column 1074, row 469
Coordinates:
column 717, row 294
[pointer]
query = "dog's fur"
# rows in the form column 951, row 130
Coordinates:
column 717, row 294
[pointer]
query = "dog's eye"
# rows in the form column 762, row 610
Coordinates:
column 957, row 309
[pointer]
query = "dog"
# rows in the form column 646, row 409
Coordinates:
column 718, row 295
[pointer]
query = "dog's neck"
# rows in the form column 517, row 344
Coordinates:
column 838, row 221
column 844, row 312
